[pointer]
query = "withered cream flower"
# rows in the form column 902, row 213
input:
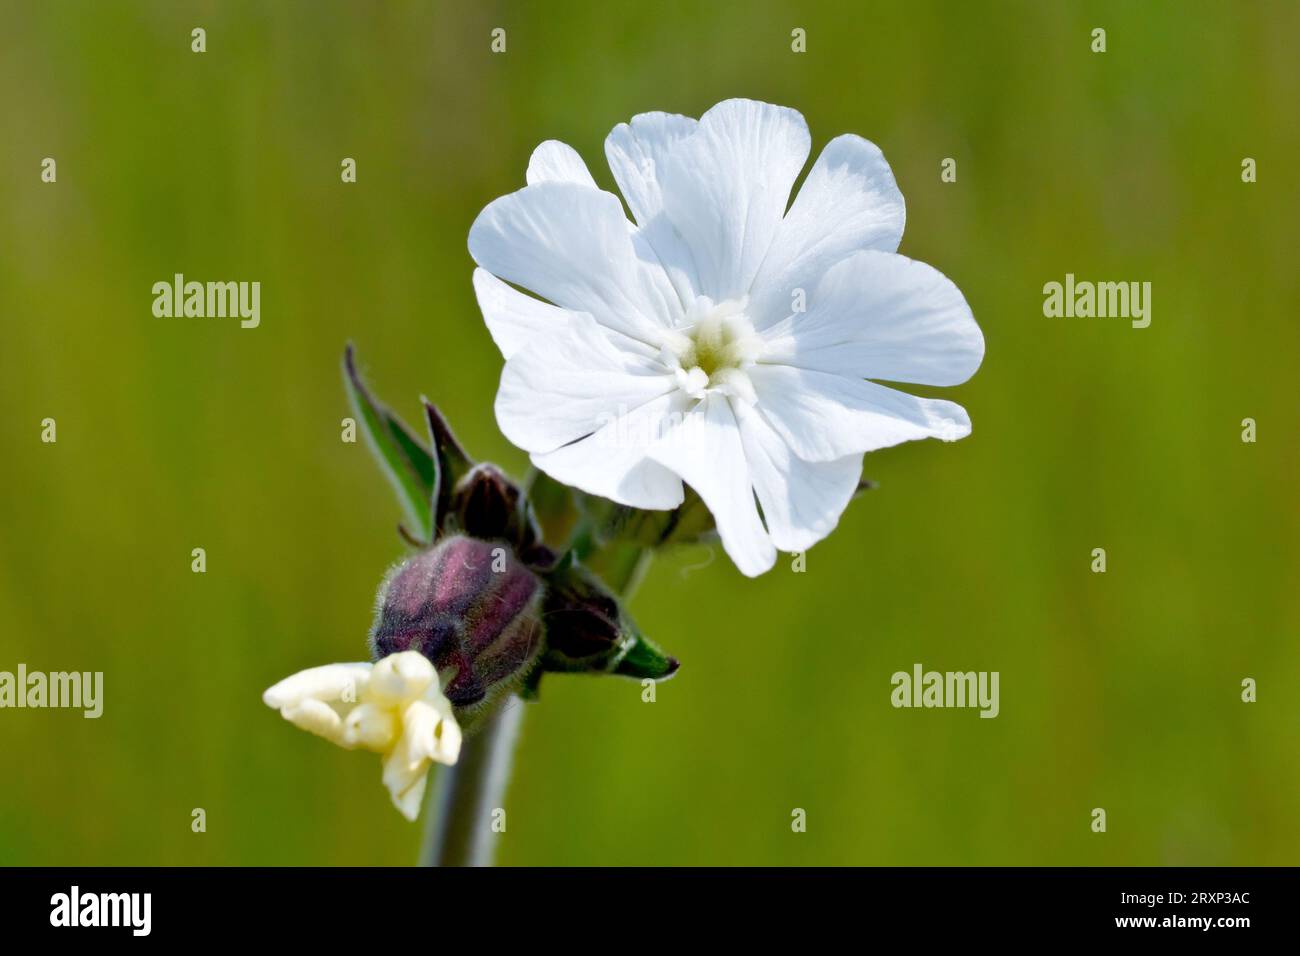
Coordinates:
column 395, row 707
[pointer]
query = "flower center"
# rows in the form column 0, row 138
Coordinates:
column 716, row 344
column 713, row 347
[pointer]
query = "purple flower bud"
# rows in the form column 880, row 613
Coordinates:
column 583, row 621
column 487, row 504
column 473, row 609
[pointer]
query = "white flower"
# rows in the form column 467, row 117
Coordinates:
column 721, row 340
column 395, row 707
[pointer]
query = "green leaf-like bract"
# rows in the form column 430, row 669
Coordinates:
column 410, row 467
column 451, row 463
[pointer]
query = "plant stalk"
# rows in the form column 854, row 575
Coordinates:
column 459, row 811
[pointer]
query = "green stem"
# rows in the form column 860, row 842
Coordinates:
column 461, row 805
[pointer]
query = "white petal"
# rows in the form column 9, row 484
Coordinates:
column 563, row 387
column 634, row 152
column 612, row 461
column 882, row 316
column 802, row 501
column 327, row 683
column 435, row 698
column 405, row 779
column 409, row 799
column 512, row 317
column 433, row 736
column 572, row 245
column 370, row 726
column 400, row 678
column 316, row 717
column 848, row 203
column 725, row 188
column 447, row 735
column 556, row 162
column 447, row 747
column 823, row 417
column 705, row 450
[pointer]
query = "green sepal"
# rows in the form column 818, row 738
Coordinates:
column 451, row 459
column 643, row 659
column 409, row 466
column 605, row 522
column 588, row 631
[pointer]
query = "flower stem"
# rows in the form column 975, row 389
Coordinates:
column 461, row 803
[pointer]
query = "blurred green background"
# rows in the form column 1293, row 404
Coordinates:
column 1118, row 690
